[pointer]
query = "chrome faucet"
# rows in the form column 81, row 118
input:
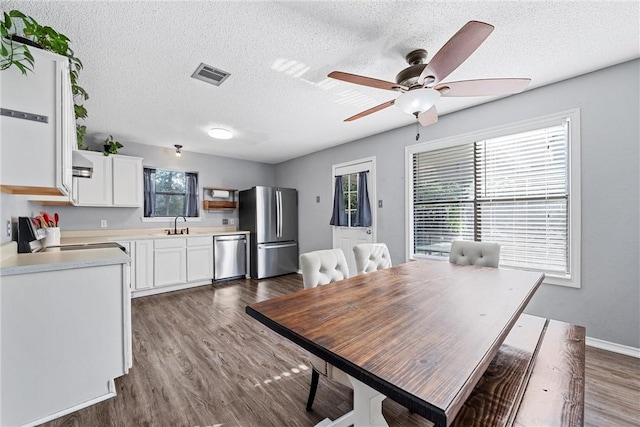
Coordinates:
column 175, row 225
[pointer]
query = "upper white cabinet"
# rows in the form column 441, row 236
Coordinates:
column 116, row 181
column 37, row 128
column 127, row 181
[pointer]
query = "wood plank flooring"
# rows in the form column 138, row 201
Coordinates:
column 199, row 360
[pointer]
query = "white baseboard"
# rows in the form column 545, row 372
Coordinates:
column 616, row 348
column 111, row 386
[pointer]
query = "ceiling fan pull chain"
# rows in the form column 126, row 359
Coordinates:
column 417, row 127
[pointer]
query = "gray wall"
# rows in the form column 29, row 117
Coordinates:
column 213, row 171
column 608, row 303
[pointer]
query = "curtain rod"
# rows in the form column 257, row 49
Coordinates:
column 335, row 176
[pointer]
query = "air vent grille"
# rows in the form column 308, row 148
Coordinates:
column 209, row 74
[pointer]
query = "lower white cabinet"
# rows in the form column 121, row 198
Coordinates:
column 169, row 261
column 142, row 260
column 65, row 337
column 199, row 258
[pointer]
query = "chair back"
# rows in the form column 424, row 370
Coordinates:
column 371, row 257
column 322, row 267
column 486, row 254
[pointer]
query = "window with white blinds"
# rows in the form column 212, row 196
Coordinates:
column 514, row 189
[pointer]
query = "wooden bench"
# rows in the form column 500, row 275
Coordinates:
column 535, row 379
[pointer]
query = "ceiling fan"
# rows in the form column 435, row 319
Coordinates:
column 420, row 83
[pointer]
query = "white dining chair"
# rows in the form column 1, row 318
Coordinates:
column 486, row 254
column 320, row 268
column 371, row 257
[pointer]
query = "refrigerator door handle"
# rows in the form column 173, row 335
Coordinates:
column 279, row 213
column 276, row 245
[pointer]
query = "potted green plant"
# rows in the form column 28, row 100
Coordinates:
column 33, row 34
column 111, row 146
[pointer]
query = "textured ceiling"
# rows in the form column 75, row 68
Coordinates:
column 139, row 55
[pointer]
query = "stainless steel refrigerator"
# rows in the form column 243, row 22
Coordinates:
column 271, row 215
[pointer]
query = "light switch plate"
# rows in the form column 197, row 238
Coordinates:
column 225, row 221
column 379, row 203
column 8, row 230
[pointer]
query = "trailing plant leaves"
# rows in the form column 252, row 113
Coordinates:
column 81, row 112
column 27, row 54
column 21, row 67
column 17, row 14
column 7, row 23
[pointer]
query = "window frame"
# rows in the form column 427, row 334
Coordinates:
column 573, row 164
column 170, row 218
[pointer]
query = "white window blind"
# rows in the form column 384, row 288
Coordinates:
column 521, row 198
column 513, row 190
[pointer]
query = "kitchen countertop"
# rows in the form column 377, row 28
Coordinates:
column 64, row 260
column 99, row 236
column 12, row 263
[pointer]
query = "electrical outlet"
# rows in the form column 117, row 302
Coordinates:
column 103, row 223
column 225, row 221
column 8, row 230
column 317, row 199
column 232, row 221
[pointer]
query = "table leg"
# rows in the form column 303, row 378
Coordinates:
column 367, row 409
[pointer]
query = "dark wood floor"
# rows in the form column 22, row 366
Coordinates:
column 199, row 360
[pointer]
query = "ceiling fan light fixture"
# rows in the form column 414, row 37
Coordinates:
column 417, row 100
column 220, row 133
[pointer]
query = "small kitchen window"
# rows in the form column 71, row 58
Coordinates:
column 168, row 193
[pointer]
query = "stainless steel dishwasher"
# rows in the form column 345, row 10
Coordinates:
column 229, row 257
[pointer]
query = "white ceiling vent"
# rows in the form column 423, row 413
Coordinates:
column 209, row 74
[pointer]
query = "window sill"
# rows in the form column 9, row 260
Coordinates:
column 170, row 219
column 569, row 282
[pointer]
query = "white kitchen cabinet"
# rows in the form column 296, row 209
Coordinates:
column 169, row 261
column 116, row 181
column 98, row 190
column 36, row 155
column 65, row 338
column 127, row 181
column 199, row 258
column 142, row 262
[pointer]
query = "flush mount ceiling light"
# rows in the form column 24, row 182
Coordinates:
column 219, row 133
column 178, row 150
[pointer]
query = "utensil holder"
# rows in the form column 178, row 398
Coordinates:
column 52, row 236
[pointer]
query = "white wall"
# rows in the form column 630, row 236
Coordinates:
column 608, row 303
column 213, row 171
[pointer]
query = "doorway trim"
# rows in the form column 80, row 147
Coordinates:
column 372, row 192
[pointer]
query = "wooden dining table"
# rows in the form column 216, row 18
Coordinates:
column 421, row 333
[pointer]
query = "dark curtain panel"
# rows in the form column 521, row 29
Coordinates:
column 191, row 194
column 149, row 177
column 363, row 211
column 339, row 216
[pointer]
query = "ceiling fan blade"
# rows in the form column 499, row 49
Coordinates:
column 482, row 87
column 428, row 117
column 365, row 81
column 456, row 50
column 371, row 110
